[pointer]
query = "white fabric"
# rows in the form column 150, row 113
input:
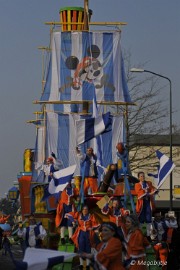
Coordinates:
column 38, row 258
column 76, row 49
column 64, row 172
column 80, row 131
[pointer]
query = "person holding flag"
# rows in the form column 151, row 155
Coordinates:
column 89, row 167
column 145, row 202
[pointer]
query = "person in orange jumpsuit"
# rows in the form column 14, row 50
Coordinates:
column 108, row 254
column 65, row 205
column 84, row 235
column 145, row 201
column 135, row 244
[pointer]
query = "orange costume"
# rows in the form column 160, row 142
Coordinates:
column 135, row 247
column 65, row 199
column 161, row 251
column 143, row 194
column 115, row 214
column 88, row 224
column 109, row 255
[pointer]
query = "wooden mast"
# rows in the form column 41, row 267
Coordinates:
column 86, row 15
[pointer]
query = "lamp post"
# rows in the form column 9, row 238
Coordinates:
column 170, row 123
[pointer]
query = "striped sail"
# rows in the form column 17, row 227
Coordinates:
column 83, row 64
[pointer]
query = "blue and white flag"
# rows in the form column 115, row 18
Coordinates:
column 165, row 167
column 87, row 129
column 61, row 179
column 42, row 259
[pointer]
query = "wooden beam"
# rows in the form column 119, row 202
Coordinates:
column 82, row 102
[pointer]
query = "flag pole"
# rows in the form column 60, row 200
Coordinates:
column 86, row 13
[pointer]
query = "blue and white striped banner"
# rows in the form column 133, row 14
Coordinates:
column 82, row 62
column 87, row 129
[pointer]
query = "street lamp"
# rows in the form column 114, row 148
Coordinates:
column 170, row 122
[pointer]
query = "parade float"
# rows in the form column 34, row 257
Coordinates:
column 84, row 64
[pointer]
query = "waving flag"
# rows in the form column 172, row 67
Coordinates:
column 61, row 179
column 87, row 129
column 42, row 259
column 59, row 182
column 165, row 167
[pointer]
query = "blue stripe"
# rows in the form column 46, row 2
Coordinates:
column 107, row 121
column 55, row 260
column 165, row 170
column 159, row 154
column 63, row 139
column 107, row 148
column 108, row 68
column 65, row 73
column 125, row 90
column 89, row 129
column 21, row 265
column 88, row 88
column 63, row 180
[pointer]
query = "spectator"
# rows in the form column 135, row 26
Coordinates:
column 160, row 227
column 21, row 239
column 34, row 234
column 6, row 245
column 1, row 237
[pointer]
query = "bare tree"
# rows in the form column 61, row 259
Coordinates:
column 148, row 122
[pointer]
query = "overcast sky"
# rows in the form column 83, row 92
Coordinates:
column 152, row 35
